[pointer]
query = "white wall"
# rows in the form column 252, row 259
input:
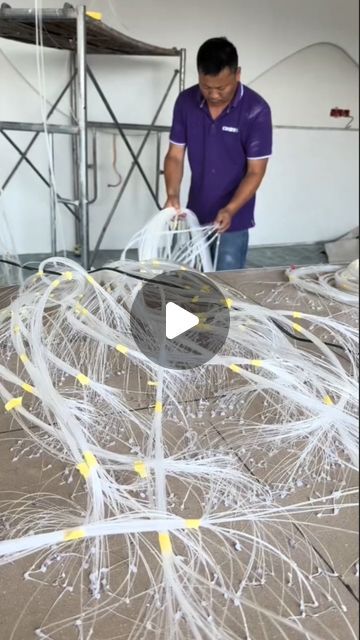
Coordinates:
column 310, row 191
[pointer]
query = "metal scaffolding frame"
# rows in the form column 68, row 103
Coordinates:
column 75, row 30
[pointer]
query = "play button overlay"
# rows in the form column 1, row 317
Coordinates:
column 180, row 319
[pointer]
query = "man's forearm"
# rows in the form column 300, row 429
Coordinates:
column 173, row 171
column 245, row 191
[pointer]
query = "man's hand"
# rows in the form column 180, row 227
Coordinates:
column 223, row 220
column 174, row 202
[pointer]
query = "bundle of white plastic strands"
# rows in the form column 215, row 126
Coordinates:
column 158, row 478
column 339, row 284
column 96, row 325
column 91, row 317
column 347, row 279
column 176, row 237
column 190, row 595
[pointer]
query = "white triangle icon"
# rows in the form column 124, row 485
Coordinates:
column 178, row 320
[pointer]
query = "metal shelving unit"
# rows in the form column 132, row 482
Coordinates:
column 82, row 34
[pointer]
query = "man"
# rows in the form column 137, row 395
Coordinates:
column 226, row 129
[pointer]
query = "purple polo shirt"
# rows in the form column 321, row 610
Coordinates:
column 218, row 150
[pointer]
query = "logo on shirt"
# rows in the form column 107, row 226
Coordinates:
column 230, row 129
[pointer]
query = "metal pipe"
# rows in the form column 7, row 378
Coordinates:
column 93, row 166
column 158, row 170
column 53, row 203
column 216, row 251
column 132, row 167
column 182, row 69
column 34, row 168
column 73, row 130
column 82, row 116
column 314, row 128
column 34, row 126
column 33, row 139
column 28, row 15
column 75, row 153
column 126, row 126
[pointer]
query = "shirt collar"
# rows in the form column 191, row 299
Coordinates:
column 235, row 101
column 237, row 97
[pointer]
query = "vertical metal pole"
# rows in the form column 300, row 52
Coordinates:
column 158, row 170
column 216, row 253
column 75, row 151
column 182, row 69
column 53, row 199
column 82, row 116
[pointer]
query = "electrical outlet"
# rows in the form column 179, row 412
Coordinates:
column 336, row 112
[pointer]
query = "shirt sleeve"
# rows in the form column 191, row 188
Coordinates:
column 178, row 128
column 258, row 142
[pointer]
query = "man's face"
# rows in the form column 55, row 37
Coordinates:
column 219, row 90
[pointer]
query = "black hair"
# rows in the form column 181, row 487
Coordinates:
column 215, row 55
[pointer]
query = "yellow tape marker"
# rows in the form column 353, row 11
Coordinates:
column 16, row 329
column 195, row 299
column 24, row 359
column 82, row 310
column 83, row 379
column 235, row 368
column 122, row 349
column 165, row 544
column 229, row 302
column 152, row 383
column 90, row 460
column 257, row 363
column 202, row 326
column 297, row 314
column 83, row 469
column 155, row 263
column 90, row 279
column 183, row 269
column 39, row 274
column 13, row 404
column 74, row 534
column 68, row 275
column 327, row 400
column 28, row 388
column 55, row 284
column 158, row 407
column 95, row 15
column 140, row 468
column 297, row 327
column 192, row 524
column 90, row 463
